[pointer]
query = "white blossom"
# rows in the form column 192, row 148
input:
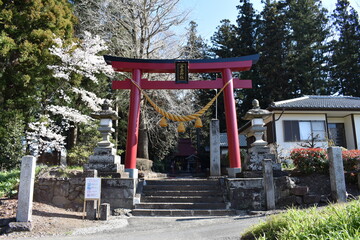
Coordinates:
column 68, row 113
column 44, row 135
column 90, row 99
column 64, row 96
column 80, row 58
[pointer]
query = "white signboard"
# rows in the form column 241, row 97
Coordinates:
column 92, row 188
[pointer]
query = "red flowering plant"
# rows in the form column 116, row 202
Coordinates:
column 351, row 160
column 309, row 160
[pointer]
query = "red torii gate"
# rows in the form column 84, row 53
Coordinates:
column 225, row 65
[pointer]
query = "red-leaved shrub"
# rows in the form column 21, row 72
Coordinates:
column 351, row 160
column 309, row 160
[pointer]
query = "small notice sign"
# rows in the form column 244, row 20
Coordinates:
column 92, row 188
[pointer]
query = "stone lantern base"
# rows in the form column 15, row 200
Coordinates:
column 107, row 163
column 256, row 155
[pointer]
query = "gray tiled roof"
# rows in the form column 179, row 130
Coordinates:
column 319, row 102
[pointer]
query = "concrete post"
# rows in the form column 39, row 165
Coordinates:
column 26, row 189
column 91, row 209
column 215, row 168
column 269, row 188
column 337, row 177
column 104, row 211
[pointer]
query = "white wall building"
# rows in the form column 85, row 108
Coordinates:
column 323, row 119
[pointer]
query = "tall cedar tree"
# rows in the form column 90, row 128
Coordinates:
column 345, row 60
column 246, row 44
column 223, row 44
column 224, row 40
column 27, row 31
column 236, row 41
column 272, row 47
column 306, row 60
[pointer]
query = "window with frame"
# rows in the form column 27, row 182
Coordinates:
column 295, row 131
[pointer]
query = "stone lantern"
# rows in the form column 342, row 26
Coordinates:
column 259, row 149
column 104, row 159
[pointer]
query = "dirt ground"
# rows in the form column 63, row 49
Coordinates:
column 47, row 220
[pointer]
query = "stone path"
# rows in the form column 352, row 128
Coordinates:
column 194, row 228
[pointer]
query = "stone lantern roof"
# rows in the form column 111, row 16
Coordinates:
column 106, row 112
column 257, row 112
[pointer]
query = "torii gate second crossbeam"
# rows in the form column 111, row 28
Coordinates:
column 223, row 65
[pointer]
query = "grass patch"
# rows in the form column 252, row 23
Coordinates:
column 336, row 221
column 9, row 182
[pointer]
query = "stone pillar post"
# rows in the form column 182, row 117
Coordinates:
column 26, row 189
column 269, row 188
column 215, row 169
column 337, row 177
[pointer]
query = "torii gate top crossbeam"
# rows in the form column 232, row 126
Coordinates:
column 195, row 65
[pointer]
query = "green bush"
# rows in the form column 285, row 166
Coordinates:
column 337, row 221
column 11, row 134
column 89, row 136
column 79, row 155
column 310, row 160
column 9, row 183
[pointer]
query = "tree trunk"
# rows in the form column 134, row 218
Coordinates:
column 72, row 137
column 143, row 141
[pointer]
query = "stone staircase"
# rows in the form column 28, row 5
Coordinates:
column 182, row 197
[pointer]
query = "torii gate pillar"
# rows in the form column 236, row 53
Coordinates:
column 133, row 126
column 231, row 125
column 226, row 66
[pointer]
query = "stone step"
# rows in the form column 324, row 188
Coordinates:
column 180, row 206
column 155, row 192
column 181, row 187
column 182, row 213
column 182, row 199
column 113, row 175
column 177, row 182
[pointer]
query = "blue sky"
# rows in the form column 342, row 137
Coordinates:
column 208, row 13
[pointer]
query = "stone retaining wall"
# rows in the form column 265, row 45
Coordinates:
column 61, row 192
column 248, row 193
column 69, row 192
